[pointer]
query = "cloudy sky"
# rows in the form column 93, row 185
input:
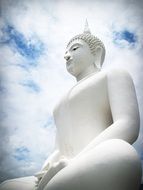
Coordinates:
column 33, row 77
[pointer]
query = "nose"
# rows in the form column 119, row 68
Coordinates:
column 67, row 56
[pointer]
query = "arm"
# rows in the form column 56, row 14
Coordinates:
column 51, row 161
column 51, row 167
column 124, row 109
column 54, row 157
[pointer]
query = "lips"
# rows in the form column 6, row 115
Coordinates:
column 68, row 62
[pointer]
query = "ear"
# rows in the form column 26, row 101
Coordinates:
column 98, row 57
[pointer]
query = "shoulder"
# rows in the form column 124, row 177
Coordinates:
column 114, row 76
column 118, row 74
column 120, row 81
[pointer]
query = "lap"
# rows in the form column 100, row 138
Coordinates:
column 112, row 165
column 25, row 183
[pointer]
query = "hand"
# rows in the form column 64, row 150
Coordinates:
column 53, row 170
column 56, row 167
column 61, row 164
column 55, row 156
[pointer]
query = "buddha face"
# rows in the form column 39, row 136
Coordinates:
column 78, row 57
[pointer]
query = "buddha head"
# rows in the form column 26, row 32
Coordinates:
column 84, row 52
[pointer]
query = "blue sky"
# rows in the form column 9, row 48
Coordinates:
column 125, row 36
column 17, row 41
column 33, row 76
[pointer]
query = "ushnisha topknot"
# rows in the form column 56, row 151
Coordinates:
column 91, row 40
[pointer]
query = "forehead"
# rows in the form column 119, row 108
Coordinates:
column 76, row 42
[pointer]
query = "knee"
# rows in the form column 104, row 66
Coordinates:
column 120, row 163
column 121, row 154
column 114, row 164
column 119, row 148
column 26, row 183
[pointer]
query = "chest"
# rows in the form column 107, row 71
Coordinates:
column 86, row 103
column 82, row 114
column 88, row 98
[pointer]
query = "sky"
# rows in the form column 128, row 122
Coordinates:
column 33, row 76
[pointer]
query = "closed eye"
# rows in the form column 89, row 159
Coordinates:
column 75, row 48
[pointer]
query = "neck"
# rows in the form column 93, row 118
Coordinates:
column 90, row 70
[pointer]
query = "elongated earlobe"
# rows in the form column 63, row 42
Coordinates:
column 98, row 57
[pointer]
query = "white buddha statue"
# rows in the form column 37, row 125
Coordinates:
column 97, row 123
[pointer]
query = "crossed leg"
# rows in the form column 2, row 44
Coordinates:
column 25, row 183
column 112, row 165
